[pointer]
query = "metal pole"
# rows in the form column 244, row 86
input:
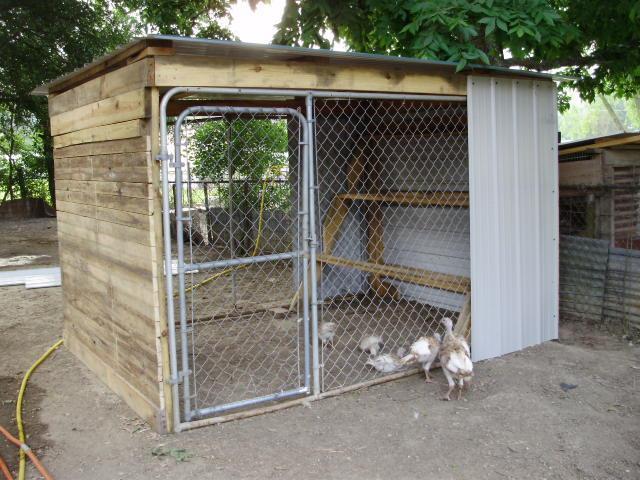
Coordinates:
column 304, row 93
column 304, row 222
column 168, row 267
column 186, row 393
column 312, row 247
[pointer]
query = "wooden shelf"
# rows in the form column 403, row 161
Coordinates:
column 425, row 278
column 419, row 199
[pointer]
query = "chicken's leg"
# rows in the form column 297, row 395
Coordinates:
column 427, row 367
column 460, row 386
column 451, row 383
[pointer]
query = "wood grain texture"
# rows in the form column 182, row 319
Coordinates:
column 116, row 131
column 421, row 277
column 121, row 108
column 225, row 72
column 131, row 77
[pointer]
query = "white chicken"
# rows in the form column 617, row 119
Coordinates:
column 386, row 363
column 326, row 332
column 455, row 359
column 424, row 351
column 371, row 344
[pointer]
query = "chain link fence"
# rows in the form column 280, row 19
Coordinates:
column 394, row 223
column 393, row 255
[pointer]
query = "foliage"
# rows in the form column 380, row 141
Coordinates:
column 585, row 120
column 41, row 40
column 202, row 18
column 250, row 153
column 23, row 172
column 597, row 42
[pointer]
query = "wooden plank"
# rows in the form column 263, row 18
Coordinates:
column 463, row 324
column 135, row 220
column 121, row 108
column 102, row 133
column 142, row 405
column 419, row 199
column 123, row 288
column 125, row 189
column 97, row 68
column 112, row 248
column 127, row 145
column 130, row 77
column 133, row 235
column 601, row 144
column 583, row 172
column 124, row 167
column 228, row 72
column 331, row 225
column 417, row 276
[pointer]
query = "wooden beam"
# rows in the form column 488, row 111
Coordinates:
column 463, row 324
column 138, row 143
column 102, row 133
column 602, row 144
column 126, row 79
column 425, row 278
column 121, row 108
column 419, row 199
column 192, row 71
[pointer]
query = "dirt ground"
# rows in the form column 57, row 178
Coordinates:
column 515, row 422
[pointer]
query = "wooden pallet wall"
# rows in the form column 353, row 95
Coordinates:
column 108, row 228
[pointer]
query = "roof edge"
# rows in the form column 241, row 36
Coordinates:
column 280, row 52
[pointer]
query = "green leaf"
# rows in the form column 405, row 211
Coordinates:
column 461, row 64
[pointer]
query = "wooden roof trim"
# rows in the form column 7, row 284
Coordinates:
column 602, row 144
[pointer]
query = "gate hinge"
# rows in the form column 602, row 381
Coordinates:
column 163, row 157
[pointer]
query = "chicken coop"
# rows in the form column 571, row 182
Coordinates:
column 600, row 189
column 235, row 220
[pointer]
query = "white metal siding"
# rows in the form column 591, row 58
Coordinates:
column 513, row 178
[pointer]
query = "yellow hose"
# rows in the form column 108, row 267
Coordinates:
column 255, row 248
column 23, row 387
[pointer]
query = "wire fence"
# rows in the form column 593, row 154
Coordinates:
column 600, row 283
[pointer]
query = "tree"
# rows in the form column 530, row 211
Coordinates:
column 595, row 41
column 249, row 153
column 200, row 18
column 41, row 40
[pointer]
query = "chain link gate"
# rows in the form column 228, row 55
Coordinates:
column 239, row 257
column 265, row 312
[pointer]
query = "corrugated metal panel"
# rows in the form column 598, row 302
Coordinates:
column 514, row 217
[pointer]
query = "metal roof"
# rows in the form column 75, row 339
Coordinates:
column 225, row 48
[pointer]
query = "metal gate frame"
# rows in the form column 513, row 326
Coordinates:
column 312, row 389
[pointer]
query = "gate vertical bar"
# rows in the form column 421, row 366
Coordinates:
column 186, row 392
column 305, row 250
column 312, row 245
column 168, row 268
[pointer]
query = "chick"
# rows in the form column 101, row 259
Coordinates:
column 424, row 351
column 386, row 363
column 455, row 359
column 326, row 332
column 371, row 344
